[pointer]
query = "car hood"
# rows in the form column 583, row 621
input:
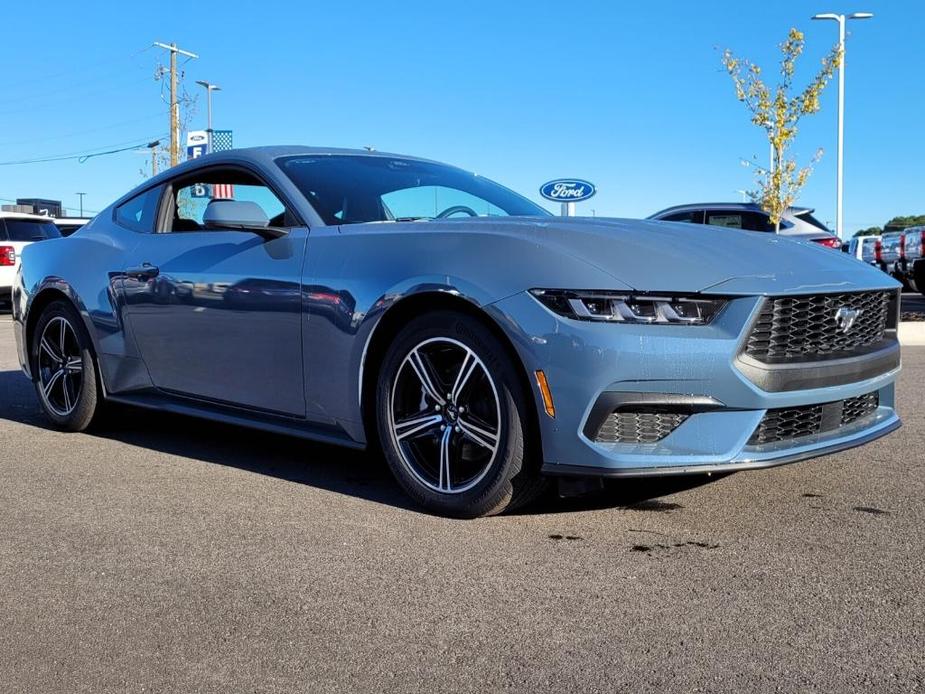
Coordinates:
column 675, row 257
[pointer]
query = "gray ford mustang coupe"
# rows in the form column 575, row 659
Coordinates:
column 369, row 299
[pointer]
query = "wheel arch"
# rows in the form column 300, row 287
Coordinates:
column 37, row 305
column 398, row 315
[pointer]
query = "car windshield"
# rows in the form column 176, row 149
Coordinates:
column 30, row 230
column 352, row 189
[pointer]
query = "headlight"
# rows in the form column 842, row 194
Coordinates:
column 617, row 307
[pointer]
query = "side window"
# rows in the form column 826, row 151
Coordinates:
column 139, row 213
column 756, row 221
column 192, row 198
column 724, row 218
column 740, row 219
column 30, row 230
column 691, row 217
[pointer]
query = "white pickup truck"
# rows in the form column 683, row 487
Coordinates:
column 18, row 230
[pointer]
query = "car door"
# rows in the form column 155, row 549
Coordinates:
column 216, row 312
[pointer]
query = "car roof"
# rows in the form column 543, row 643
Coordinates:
column 25, row 215
column 277, row 151
column 751, row 206
column 265, row 155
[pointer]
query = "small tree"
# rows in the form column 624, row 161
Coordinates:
column 777, row 112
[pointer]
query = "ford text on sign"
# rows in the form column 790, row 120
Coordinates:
column 567, row 190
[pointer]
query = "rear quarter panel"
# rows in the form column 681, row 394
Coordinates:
column 87, row 269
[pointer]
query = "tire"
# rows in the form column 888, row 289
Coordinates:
column 481, row 425
column 901, row 278
column 918, row 281
column 64, row 370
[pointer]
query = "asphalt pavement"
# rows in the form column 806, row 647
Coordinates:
column 170, row 555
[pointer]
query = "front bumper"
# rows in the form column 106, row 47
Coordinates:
column 585, row 362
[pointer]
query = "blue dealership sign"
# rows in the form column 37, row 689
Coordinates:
column 567, row 190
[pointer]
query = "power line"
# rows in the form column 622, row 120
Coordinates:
column 33, row 141
column 75, row 69
column 81, row 157
column 58, row 101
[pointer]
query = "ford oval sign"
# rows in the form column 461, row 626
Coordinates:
column 567, row 190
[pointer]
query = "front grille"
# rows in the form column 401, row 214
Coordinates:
column 639, row 426
column 807, row 327
column 788, row 423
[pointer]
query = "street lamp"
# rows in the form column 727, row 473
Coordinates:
column 209, row 87
column 839, row 185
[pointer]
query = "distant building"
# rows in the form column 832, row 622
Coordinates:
column 22, row 209
column 49, row 208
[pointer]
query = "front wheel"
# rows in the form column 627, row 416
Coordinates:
column 63, row 368
column 453, row 418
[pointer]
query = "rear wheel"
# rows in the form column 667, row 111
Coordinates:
column 63, row 368
column 918, row 278
column 453, row 418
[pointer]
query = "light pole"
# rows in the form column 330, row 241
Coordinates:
column 839, row 184
column 81, row 203
column 209, row 87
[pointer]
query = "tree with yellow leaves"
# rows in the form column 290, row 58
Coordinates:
column 778, row 112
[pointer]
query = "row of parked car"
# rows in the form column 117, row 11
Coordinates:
column 898, row 253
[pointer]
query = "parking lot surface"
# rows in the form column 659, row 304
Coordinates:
column 171, row 555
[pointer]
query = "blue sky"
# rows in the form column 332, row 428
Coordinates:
column 631, row 96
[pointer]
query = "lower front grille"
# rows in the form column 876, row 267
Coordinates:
column 639, row 426
column 855, row 408
column 789, row 423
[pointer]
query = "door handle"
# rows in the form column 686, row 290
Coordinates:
column 145, row 272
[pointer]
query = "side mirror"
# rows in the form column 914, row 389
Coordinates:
column 239, row 214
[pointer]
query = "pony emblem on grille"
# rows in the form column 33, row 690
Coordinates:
column 846, row 316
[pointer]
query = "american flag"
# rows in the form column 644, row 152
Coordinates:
column 222, row 191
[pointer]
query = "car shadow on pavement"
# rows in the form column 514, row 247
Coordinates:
column 332, row 468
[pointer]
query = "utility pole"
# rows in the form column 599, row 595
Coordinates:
column 81, row 203
column 174, row 104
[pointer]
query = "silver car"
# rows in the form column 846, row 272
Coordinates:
column 797, row 223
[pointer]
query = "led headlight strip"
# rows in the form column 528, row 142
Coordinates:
column 615, row 307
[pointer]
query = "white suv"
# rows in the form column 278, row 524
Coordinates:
column 17, row 231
